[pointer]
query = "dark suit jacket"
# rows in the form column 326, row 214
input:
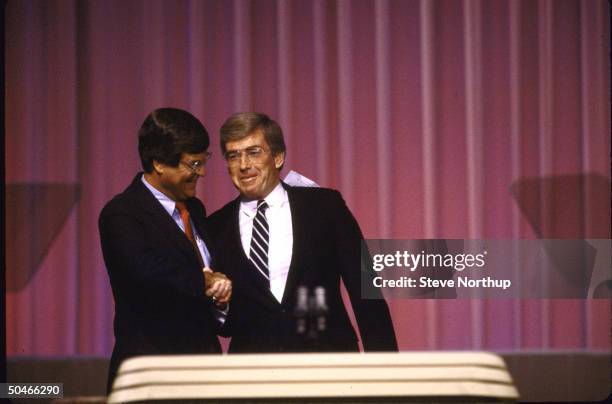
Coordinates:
column 326, row 248
column 158, row 285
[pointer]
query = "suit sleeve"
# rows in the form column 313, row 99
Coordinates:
column 373, row 318
column 132, row 257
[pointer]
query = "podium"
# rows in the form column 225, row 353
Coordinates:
column 315, row 377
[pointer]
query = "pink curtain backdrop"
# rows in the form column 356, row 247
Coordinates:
column 424, row 114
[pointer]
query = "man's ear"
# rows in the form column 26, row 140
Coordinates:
column 158, row 167
column 279, row 159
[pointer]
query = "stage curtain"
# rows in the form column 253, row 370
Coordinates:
column 426, row 115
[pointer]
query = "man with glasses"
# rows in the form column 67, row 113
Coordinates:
column 157, row 253
column 275, row 238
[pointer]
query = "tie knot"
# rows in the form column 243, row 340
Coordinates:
column 262, row 205
column 181, row 207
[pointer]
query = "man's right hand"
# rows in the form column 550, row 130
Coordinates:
column 218, row 287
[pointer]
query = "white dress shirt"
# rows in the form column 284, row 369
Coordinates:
column 280, row 245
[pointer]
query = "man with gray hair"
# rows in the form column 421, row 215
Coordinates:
column 275, row 238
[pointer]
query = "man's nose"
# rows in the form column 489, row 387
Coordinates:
column 245, row 162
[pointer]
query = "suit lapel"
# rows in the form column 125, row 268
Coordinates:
column 163, row 220
column 298, row 215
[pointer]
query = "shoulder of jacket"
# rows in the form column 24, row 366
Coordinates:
column 316, row 193
column 223, row 213
column 197, row 204
column 126, row 201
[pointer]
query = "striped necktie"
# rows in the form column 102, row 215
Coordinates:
column 259, row 240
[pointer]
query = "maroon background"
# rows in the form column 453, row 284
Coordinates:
column 426, row 115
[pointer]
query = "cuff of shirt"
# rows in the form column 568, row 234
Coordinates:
column 221, row 314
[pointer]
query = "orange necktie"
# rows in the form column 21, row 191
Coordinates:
column 180, row 206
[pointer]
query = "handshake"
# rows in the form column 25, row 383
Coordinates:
column 218, row 287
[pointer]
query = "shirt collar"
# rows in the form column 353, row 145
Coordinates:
column 277, row 198
column 168, row 204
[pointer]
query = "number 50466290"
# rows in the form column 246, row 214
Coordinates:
column 31, row 390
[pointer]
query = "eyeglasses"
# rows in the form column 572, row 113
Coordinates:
column 197, row 166
column 253, row 154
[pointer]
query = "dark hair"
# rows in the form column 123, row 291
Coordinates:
column 243, row 124
column 166, row 133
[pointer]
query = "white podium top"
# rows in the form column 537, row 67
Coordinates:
column 324, row 375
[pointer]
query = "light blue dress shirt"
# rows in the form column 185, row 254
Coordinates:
column 170, row 206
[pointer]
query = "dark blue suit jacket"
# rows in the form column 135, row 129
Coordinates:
column 157, row 283
column 326, row 249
